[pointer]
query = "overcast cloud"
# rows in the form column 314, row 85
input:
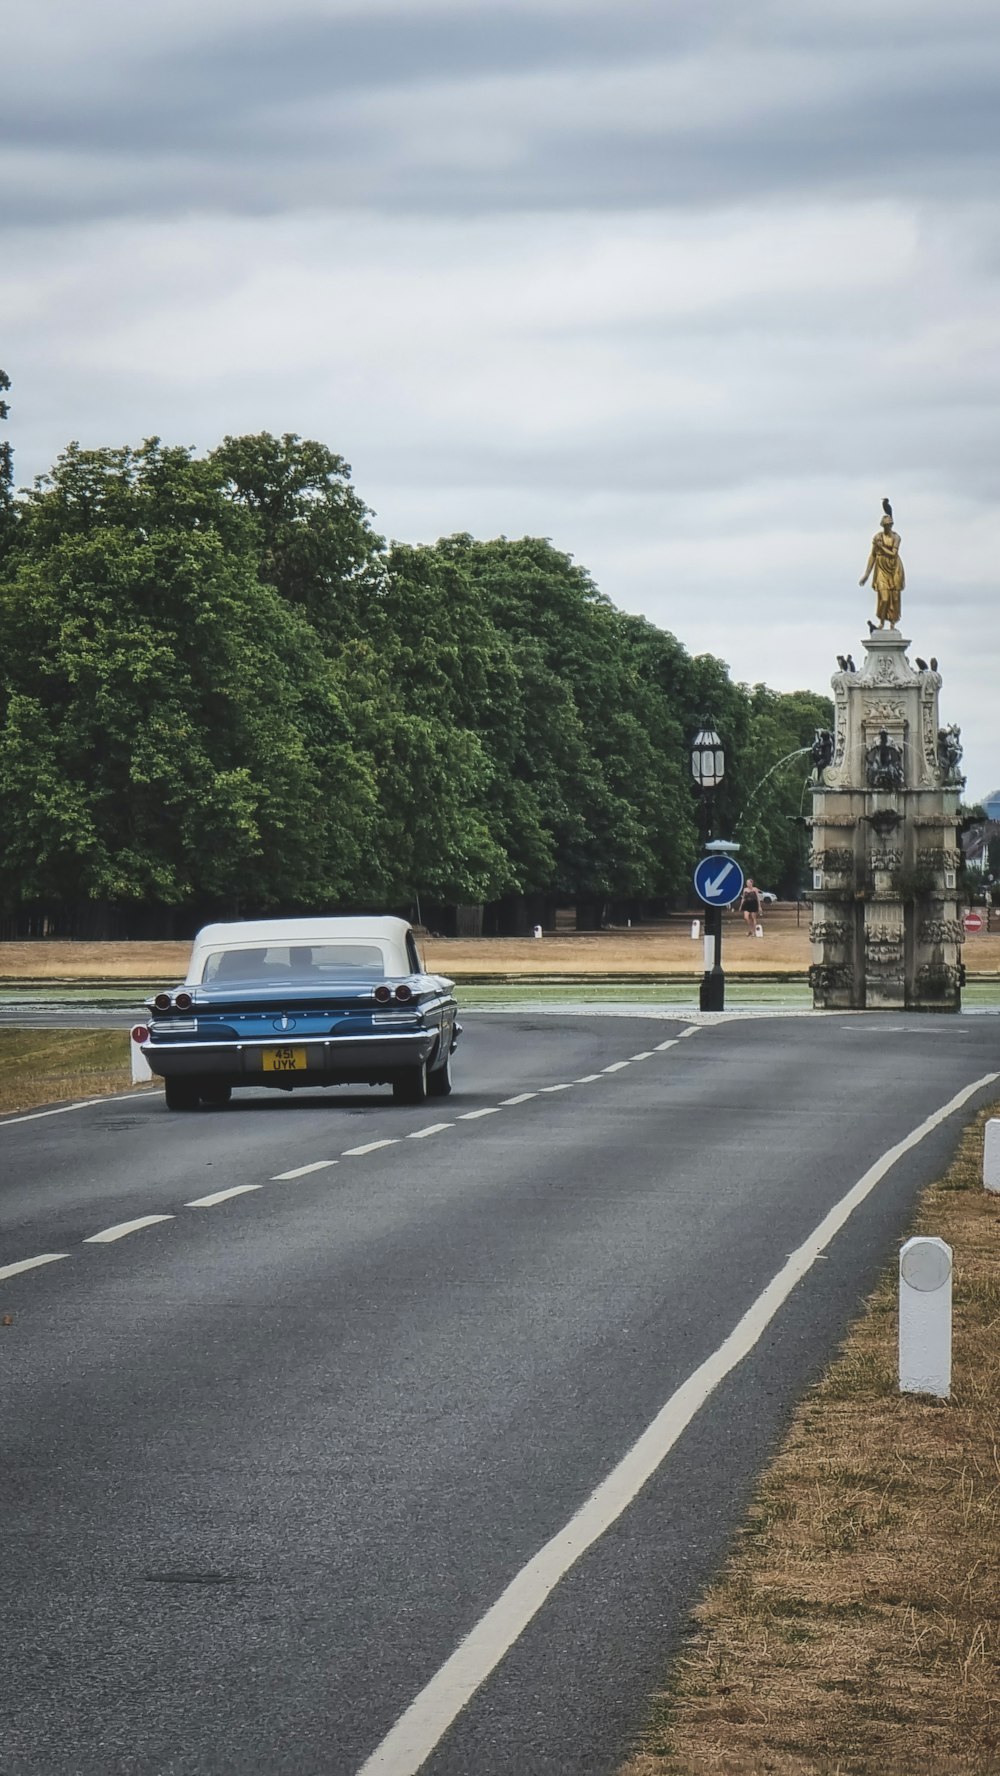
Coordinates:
column 686, row 288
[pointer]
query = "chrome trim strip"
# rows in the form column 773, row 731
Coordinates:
column 291, row 1040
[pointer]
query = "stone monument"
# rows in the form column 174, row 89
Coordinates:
column 886, row 930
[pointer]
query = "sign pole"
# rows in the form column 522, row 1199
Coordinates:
column 718, row 881
column 712, row 996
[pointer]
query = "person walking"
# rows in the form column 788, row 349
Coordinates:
column 750, row 907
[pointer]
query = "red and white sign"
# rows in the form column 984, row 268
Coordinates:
column 972, row 923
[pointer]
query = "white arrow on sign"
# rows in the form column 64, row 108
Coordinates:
column 714, row 889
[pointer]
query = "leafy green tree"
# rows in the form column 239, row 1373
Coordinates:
column 164, row 693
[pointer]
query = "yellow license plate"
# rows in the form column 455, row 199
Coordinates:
column 284, row 1060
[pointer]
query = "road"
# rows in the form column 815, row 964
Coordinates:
column 270, row 1458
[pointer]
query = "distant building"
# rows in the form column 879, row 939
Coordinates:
column 992, row 805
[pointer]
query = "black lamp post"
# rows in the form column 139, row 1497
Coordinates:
column 708, row 767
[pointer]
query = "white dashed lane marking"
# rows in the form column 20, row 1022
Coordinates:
column 587, row 1079
column 221, row 1196
column 522, row 1098
column 616, row 1067
column 474, row 1115
column 118, row 1232
column 645, row 1055
column 559, row 1088
column 660, row 1046
column 13, row 1270
column 433, row 1128
column 369, row 1147
column 318, row 1165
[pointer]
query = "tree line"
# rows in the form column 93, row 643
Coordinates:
column 222, row 693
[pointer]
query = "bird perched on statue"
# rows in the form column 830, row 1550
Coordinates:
column 841, row 663
column 850, row 663
column 871, row 626
column 887, row 509
column 921, row 664
column 933, row 664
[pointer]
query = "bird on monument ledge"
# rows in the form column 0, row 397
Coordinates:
column 921, row 665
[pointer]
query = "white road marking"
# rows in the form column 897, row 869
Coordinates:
column 221, row 1196
column 433, row 1128
column 13, row 1270
column 645, row 1055
column 408, row 1745
column 318, row 1165
column 369, row 1147
column 474, row 1115
column 587, row 1079
column 559, row 1088
column 616, row 1067
column 692, row 1030
column 671, row 1043
column 119, row 1231
column 63, row 1109
column 522, row 1098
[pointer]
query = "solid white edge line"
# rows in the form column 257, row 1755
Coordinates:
column 317, row 1165
column 522, row 1098
column 433, row 1128
column 369, row 1147
column 121, row 1228
column 61, row 1110
column 408, row 1744
column 221, row 1196
column 13, row 1270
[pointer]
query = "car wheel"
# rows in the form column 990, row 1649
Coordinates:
column 411, row 1088
column 439, row 1082
column 215, row 1095
column 181, row 1094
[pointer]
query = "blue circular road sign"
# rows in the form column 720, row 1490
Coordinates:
column 718, row 881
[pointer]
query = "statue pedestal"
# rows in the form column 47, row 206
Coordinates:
column 886, row 929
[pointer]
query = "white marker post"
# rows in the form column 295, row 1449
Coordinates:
column 991, row 1155
column 141, row 1069
column 925, row 1318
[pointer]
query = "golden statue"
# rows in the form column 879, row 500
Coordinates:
column 887, row 573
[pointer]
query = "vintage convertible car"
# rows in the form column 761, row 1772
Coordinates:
column 287, row 1002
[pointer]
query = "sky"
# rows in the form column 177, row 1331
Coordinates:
column 686, row 287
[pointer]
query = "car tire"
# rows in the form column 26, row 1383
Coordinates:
column 215, row 1096
column 181, row 1094
column 411, row 1087
column 439, row 1082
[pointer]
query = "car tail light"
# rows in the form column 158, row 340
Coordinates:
column 383, row 995
column 161, row 1002
column 140, row 1033
column 404, row 993
column 183, row 1001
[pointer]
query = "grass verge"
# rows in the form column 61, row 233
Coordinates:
column 48, row 1066
column 855, row 1627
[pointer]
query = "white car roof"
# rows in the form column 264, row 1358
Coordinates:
column 252, row 932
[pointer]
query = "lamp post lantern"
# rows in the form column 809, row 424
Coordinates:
column 708, row 767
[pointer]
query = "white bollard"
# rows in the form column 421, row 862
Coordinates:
column 925, row 1318
column 141, row 1069
column 536, row 931
column 695, row 929
column 991, row 1154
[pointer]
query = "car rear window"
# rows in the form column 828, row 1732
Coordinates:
column 297, row 964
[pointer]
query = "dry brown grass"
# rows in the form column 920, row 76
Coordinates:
column 856, row 1627
column 50, row 1066
column 666, row 949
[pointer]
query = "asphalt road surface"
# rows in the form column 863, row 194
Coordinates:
column 270, row 1458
